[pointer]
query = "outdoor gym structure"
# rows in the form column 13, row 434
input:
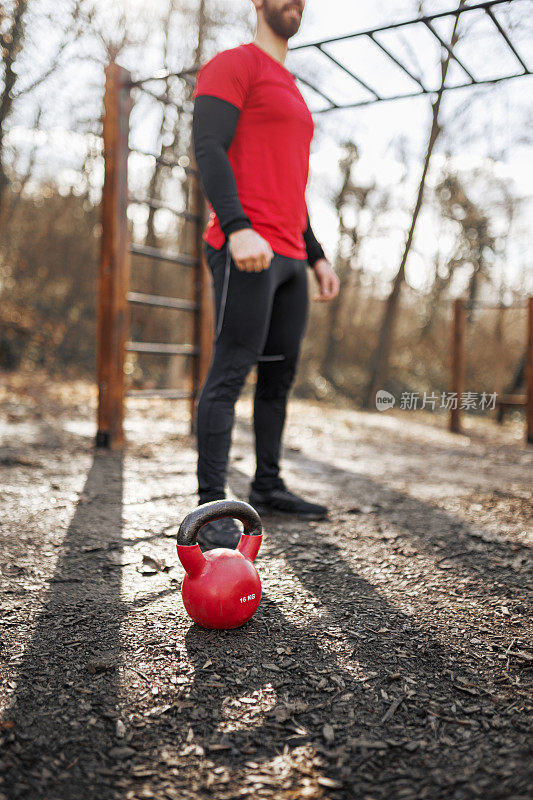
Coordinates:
column 114, row 295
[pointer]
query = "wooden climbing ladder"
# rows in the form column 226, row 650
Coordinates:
column 114, row 295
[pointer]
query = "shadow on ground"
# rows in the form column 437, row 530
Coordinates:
column 333, row 690
column 64, row 717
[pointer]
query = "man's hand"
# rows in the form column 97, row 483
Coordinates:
column 327, row 279
column 249, row 250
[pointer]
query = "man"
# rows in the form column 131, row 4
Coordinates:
column 252, row 132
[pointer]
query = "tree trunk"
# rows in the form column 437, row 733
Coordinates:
column 381, row 356
column 327, row 367
column 10, row 46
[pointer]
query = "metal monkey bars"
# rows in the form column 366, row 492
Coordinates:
column 373, row 35
column 324, row 46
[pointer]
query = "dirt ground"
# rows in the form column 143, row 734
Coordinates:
column 390, row 656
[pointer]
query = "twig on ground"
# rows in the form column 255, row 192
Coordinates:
column 451, row 719
column 510, row 647
column 453, row 555
column 140, row 674
column 393, row 708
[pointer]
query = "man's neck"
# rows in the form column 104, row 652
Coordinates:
column 270, row 42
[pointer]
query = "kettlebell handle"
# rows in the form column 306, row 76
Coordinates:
column 218, row 509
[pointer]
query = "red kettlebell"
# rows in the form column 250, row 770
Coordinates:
column 221, row 588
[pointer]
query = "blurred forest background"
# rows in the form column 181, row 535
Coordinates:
column 390, row 327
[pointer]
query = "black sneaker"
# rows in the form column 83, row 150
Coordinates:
column 281, row 500
column 219, row 533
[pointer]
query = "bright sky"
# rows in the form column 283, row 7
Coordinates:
column 492, row 131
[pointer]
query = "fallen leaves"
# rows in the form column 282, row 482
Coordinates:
column 329, row 783
column 362, row 509
column 121, row 753
column 368, row 744
column 96, row 667
column 328, row 734
column 151, row 566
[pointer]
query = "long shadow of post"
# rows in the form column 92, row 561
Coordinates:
column 64, row 707
column 433, row 530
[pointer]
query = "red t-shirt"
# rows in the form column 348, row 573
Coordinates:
column 269, row 154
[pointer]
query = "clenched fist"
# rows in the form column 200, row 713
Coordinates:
column 249, row 250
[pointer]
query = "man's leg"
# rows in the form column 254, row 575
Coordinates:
column 243, row 302
column 274, row 378
column 275, row 373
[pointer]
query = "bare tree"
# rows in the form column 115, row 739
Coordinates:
column 16, row 80
column 348, row 195
column 477, row 248
column 381, row 355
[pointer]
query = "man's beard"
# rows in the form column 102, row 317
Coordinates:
column 283, row 25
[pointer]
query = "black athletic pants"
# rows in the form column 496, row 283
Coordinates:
column 260, row 319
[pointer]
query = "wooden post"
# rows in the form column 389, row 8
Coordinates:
column 113, row 281
column 529, row 374
column 203, row 317
column 458, row 361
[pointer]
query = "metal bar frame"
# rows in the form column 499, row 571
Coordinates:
column 162, row 349
column 468, row 84
column 394, row 25
column 162, row 159
column 318, row 91
column 397, row 61
column 362, row 83
column 162, row 255
column 426, row 20
column 167, row 101
column 153, row 202
column 370, row 33
column 449, row 49
column 160, row 301
column 164, row 75
column 165, row 394
column 509, row 43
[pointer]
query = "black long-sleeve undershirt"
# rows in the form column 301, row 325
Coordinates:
column 312, row 245
column 214, row 125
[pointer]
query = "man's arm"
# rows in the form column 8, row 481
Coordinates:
column 327, row 280
column 213, row 126
column 312, row 246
